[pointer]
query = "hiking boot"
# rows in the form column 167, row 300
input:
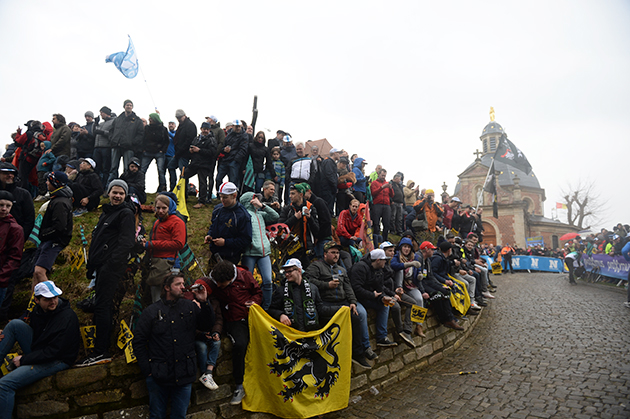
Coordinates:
column 79, row 212
column 207, row 380
column 406, row 337
column 370, row 354
column 94, row 360
column 385, row 343
column 452, row 325
column 237, row 398
column 361, row 360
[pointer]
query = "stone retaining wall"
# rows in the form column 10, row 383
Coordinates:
column 117, row 390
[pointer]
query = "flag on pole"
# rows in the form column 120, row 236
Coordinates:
column 34, row 236
column 180, row 192
column 365, row 232
column 561, row 206
column 509, row 154
column 295, row 374
column 125, row 62
column 491, row 187
column 248, row 178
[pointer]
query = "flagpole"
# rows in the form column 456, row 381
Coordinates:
column 144, row 77
column 480, row 196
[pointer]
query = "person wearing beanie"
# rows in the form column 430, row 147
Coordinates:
column 135, row 180
column 55, row 231
column 11, row 242
column 102, row 154
column 23, row 209
column 203, row 151
column 112, row 240
column 127, row 133
column 154, row 147
column 184, row 136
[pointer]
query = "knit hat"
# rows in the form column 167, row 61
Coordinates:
column 127, row 101
column 206, row 125
column 302, row 187
column 227, row 188
column 135, row 161
column 155, row 117
column 106, row 110
column 90, row 114
column 179, row 113
column 118, row 182
column 57, row 179
column 6, row 196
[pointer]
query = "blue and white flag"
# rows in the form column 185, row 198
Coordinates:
column 126, row 62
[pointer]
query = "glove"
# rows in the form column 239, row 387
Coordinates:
column 414, row 264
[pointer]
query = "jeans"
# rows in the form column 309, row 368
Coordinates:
column 264, row 266
column 396, row 220
column 18, row 331
column 507, row 261
column 239, row 333
column 147, row 158
column 382, row 313
column 206, row 181
column 470, row 282
column 177, row 163
column 381, row 212
column 484, row 278
column 158, row 399
column 207, row 353
column 349, row 242
column 103, row 160
column 172, row 172
column 117, row 153
column 231, row 169
column 360, row 334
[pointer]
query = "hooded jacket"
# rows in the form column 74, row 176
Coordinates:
column 234, row 225
column 56, row 225
column 127, row 132
column 411, row 196
column 261, row 157
column 167, row 237
column 23, row 209
column 56, row 335
column 361, row 183
column 184, row 136
column 46, row 161
column 398, row 265
column 242, row 288
column 239, row 144
column 155, row 139
column 365, row 280
column 349, row 225
column 11, row 245
column 260, row 217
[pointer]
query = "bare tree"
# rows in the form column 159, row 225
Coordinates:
column 583, row 204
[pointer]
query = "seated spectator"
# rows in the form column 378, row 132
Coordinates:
column 428, row 210
column 257, row 253
column 86, row 188
column 349, row 225
column 208, row 343
column 135, row 180
column 230, row 230
column 11, row 242
column 407, row 268
column 278, row 175
column 269, row 196
column 50, row 343
column 236, row 290
column 336, row 291
column 301, row 217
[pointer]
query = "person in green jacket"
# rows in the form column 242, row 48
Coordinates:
column 257, row 253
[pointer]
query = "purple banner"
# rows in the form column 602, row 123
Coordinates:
column 612, row 266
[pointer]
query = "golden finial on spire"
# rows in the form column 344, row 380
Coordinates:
column 491, row 113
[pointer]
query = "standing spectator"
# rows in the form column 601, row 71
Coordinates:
column 233, row 155
column 345, row 180
column 257, row 253
column 60, row 138
column 154, row 147
column 166, row 239
column 450, row 211
column 217, row 131
column 411, row 196
column 170, row 156
column 29, row 142
column 506, row 253
column 11, row 242
column 50, row 343
column 126, row 135
column 324, row 235
column 134, row 178
column 301, row 217
column 170, row 369
column 429, row 210
column 112, row 240
column 203, row 153
column 360, row 187
column 184, row 136
column 103, row 144
column 261, row 160
column 397, row 204
column 86, row 138
column 55, row 231
column 237, row 290
column 327, row 179
column 382, row 193
column 44, row 166
column 230, row 230
column 86, row 188
column 278, row 174
column 23, row 209
column 277, row 140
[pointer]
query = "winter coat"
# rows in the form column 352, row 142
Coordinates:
column 155, row 139
column 29, row 142
column 431, row 212
column 56, row 335
column 184, row 136
column 306, row 228
column 239, row 144
column 235, row 226
column 242, row 288
column 349, row 225
column 85, row 142
column 11, row 245
column 90, row 180
column 365, row 280
column 219, row 135
column 261, row 157
column 320, row 273
column 287, row 154
column 381, row 195
column 112, row 238
column 46, row 161
column 23, row 209
column 440, row 267
column 398, row 197
column 103, row 134
column 411, row 196
column 324, row 218
column 56, row 224
column 206, row 157
column 127, row 132
column 260, row 217
column 164, row 340
column 398, row 265
column 328, row 175
column 361, row 181
column 60, row 140
column 135, row 180
column 167, row 237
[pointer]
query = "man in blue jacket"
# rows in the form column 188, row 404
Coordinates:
column 50, row 343
column 231, row 230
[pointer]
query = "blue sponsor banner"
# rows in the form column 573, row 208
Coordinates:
column 612, row 266
column 533, row 263
column 533, row 241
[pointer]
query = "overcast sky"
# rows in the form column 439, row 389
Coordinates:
column 404, row 84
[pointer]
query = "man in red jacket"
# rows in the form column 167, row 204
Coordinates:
column 11, row 241
column 382, row 192
column 349, row 225
column 237, row 290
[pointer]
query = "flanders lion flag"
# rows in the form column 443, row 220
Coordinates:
column 295, row 374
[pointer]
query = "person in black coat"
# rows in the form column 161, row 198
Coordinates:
column 261, row 160
column 203, row 152
column 170, row 369
column 324, row 233
column 134, row 178
column 23, row 209
column 233, row 155
column 184, row 136
column 86, row 187
column 50, row 343
column 154, row 147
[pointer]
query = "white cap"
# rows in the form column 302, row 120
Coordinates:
column 236, row 122
column 46, row 289
column 287, row 139
column 227, row 188
column 385, row 245
column 90, row 162
column 378, row 254
column 293, row 262
column 456, row 199
column 335, row 150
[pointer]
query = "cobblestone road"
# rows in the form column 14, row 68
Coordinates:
column 543, row 349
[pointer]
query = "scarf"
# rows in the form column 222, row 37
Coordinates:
column 310, row 312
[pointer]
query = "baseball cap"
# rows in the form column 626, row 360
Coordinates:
column 378, row 254
column 385, row 245
column 427, row 245
column 90, row 162
column 237, row 122
column 227, row 188
column 331, row 245
column 335, row 150
column 287, row 139
column 47, row 289
column 293, row 262
column 206, row 125
column 456, row 199
column 445, row 245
